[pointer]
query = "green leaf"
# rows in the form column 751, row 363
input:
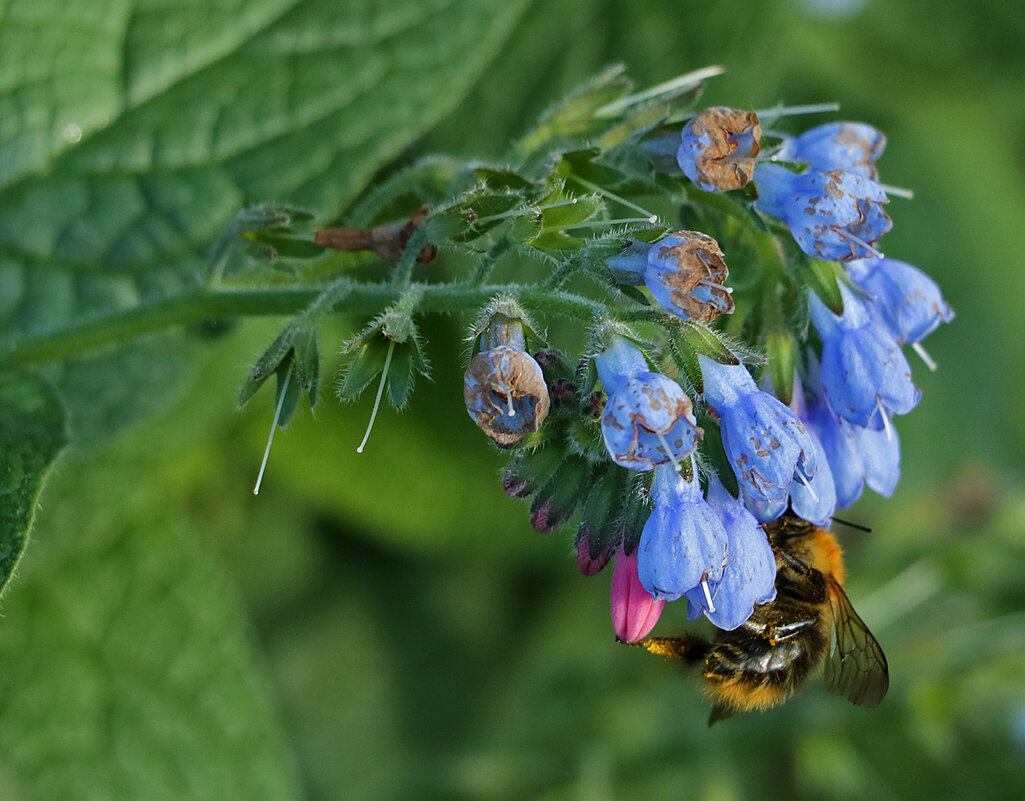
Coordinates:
column 128, row 650
column 583, row 209
column 130, row 135
column 31, row 435
column 822, row 277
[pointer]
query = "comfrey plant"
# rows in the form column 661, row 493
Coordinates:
column 744, row 332
column 704, row 406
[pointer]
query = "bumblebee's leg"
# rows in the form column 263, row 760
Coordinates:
column 685, row 648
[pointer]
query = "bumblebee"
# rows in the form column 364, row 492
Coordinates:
column 765, row 660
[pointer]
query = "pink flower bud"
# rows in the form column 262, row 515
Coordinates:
column 634, row 611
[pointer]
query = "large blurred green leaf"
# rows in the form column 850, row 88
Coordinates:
column 31, row 435
column 127, row 673
column 130, row 132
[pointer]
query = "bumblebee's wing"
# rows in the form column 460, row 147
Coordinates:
column 856, row 667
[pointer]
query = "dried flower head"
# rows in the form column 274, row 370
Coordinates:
column 505, row 393
column 719, row 148
column 687, row 274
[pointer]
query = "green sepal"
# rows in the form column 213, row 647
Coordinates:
column 393, row 330
column 286, row 394
column 823, row 278
column 501, row 322
column 555, row 503
column 552, row 241
column 265, row 232
column 284, row 246
column 634, row 294
column 600, row 512
column 634, row 512
column 781, row 351
column 560, row 217
column 690, row 339
column 366, row 361
column 523, row 228
column 585, row 439
column 407, row 362
column 500, row 178
column 529, row 470
column 584, row 164
column 296, row 348
column 474, row 217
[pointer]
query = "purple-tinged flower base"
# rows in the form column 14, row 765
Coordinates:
column 634, row 611
column 765, row 442
column 833, row 215
column 684, row 543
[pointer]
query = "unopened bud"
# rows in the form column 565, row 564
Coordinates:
column 634, row 611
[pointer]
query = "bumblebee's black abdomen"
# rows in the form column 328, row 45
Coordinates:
column 744, row 670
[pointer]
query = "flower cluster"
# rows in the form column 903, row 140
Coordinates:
column 742, row 356
column 714, row 445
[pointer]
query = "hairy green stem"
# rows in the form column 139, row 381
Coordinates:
column 85, row 337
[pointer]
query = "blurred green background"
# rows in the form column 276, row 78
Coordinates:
column 387, row 625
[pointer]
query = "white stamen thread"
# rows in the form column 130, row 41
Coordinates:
column 509, row 402
column 712, row 285
column 887, row 427
column 877, row 253
column 898, row 191
column 793, row 111
column 924, row 356
column 807, row 484
column 273, row 428
column 603, row 223
column 708, row 594
column 377, row 400
column 652, row 218
column 669, row 452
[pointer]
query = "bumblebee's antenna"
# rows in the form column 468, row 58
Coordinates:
column 849, row 524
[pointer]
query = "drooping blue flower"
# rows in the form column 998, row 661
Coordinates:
column 686, row 274
column 648, row 418
column 864, row 376
column 766, row 444
column 812, row 499
column 750, row 574
column 718, row 148
column 909, row 301
column 851, row 146
column 833, row 215
column 683, row 544
column 855, row 455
